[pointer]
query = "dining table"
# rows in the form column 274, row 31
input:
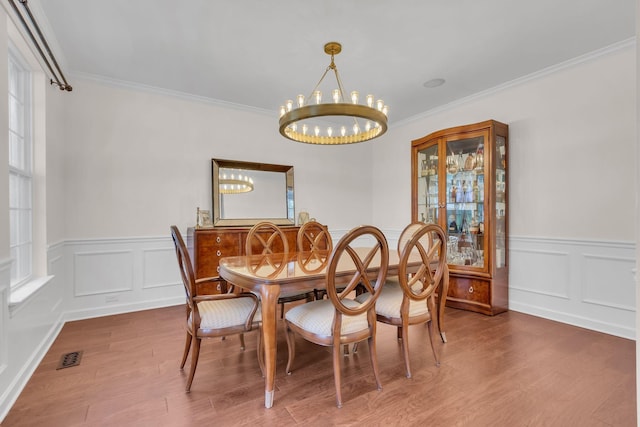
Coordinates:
column 273, row 274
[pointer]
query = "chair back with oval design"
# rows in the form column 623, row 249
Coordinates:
column 361, row 258
column 266, row 238
column 411, row 300
column 427, row 241
column 349, row 252
column 314, row 248
column 314, row 237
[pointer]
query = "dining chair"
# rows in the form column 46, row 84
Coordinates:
column 266, row 238
column 410, row 299
column 314, row 240
column 340, row 319
column 210, row 316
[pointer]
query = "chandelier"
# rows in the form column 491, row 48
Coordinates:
column 346, row 121
column 233, row 184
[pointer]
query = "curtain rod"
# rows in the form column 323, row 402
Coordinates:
column 63, row 85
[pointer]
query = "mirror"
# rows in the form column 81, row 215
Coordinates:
column 246, row 193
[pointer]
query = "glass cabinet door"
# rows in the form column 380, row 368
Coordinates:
column 428, row 184
column 501, row 202
column 465, row 197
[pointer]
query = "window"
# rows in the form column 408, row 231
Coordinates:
column 20, row 170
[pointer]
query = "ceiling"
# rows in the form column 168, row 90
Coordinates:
column 260, row 53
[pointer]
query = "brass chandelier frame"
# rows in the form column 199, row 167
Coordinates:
column 290, row 117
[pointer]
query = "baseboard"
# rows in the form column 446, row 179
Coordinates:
column 579, row 321
column 10, row 395
column 89, row 313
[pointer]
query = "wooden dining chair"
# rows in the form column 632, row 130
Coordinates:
column 340, row 319
column 266, row 238
column 411, row 299
column 210, row 316
column 315, row 241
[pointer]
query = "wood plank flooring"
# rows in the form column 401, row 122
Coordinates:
column 507, row 370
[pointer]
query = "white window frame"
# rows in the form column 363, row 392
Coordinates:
column 21, row 170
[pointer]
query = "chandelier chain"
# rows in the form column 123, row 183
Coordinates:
column 319, row 81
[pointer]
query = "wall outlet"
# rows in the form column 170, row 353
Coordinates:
column 112, row 298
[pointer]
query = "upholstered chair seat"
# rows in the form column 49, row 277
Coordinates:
column 317, row 317
column 225, row 313
column 390, row 301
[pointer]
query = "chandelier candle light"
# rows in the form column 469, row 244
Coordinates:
column 363, row 121
column 235, row 184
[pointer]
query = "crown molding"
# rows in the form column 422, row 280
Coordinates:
column 596, row 54
column 122, row 84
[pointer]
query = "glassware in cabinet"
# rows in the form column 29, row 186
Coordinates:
column 428, row 199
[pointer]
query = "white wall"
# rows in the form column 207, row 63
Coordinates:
column 137, row 162
column 571, row 133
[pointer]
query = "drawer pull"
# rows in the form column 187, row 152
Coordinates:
column 218, row 269
column 218, row 239
column 219, row 288
column 470, row 289
column 218, row 253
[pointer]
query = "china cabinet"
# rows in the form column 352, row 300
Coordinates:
column 459, row 181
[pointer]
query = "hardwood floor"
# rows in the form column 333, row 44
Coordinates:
column 508, row 370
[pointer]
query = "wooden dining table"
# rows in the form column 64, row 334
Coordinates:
column 270, row 275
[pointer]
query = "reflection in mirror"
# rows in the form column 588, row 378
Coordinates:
column 246, row 193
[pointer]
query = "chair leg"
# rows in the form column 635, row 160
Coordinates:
column 187, row 347
column 291, row 346
column 336, row 373
column 241, row 341
column 432, row 309
column 374, row 359
column 194, row 361
column 433, row 346
column 405, row 348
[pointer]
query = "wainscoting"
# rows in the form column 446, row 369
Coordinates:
column 111, row 276
column 5, row 279
column 590, row 284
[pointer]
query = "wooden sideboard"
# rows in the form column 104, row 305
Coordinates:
column 207, row 245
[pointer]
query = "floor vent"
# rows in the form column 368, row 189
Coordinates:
column 70, row 359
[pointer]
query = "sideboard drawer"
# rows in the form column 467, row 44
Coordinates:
column 211, row 245
column 208, row 246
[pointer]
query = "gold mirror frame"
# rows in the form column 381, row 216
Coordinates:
column 248, row 219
